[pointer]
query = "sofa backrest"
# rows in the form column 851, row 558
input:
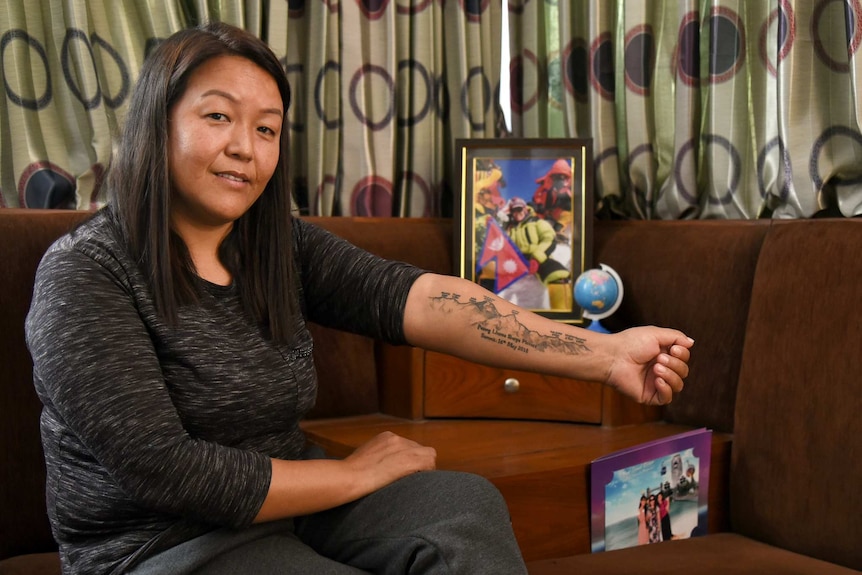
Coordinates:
column 349, row 386
column 695, row 276
column 24, row 237
column 796, row 462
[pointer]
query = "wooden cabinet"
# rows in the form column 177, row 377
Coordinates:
column 418, row 384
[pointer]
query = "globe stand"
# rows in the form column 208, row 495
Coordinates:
column 596, row 317
column 596, row 326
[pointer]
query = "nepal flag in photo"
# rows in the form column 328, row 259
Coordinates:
column 499, row 247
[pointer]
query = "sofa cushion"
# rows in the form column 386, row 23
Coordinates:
column 21, row 460
column 796, row 462
column 33, row 564
column 719, row 554
column 708, row 267
column 346, row 374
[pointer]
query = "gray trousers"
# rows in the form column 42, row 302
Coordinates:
column 427, row 523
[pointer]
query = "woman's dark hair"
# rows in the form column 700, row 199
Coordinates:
column 259, row 250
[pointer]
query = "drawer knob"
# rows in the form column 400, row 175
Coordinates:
column 511, row 385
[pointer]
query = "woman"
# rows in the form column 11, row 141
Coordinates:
column 664, row 517
column 549, row 285
column 652, row 520
column 172, row 357
column 643, row 536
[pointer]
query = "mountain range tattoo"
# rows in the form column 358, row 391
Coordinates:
column 506, row 330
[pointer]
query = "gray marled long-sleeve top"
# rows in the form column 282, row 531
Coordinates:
column 155, row 434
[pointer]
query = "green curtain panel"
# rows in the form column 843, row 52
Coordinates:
column 381, row 89
column 698, row 109
column 68, row 70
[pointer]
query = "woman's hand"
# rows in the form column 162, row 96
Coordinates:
column 388, row 457
column 300, row 487
column 650, row 364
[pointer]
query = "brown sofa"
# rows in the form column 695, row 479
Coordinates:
column 773, row 308
column 795, row 501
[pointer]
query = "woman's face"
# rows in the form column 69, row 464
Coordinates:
column 518, row 214
column 223, row 142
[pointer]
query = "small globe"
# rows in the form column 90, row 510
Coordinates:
column 597, row 292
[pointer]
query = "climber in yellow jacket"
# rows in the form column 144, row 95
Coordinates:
column 537, row 240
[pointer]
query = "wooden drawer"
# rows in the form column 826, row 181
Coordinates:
column 456, row 388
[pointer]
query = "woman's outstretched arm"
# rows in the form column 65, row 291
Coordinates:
column 458, row 317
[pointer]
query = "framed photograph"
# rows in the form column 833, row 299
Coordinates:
column 524, row 220
column 652, row 492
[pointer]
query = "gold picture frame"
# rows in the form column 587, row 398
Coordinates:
column 524, row 220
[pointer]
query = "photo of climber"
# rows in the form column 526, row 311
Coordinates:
column 524, row 220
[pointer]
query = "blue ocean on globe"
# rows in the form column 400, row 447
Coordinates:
column 596, row 291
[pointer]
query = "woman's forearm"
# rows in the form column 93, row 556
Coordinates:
column 302, row 487
column 308, row 486
column 456, row 316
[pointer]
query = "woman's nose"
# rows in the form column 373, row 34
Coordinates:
column 240, row 144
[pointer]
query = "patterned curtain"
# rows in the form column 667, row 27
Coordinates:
column 68, row 69
column 381, row 90
column 66, row 74
column 698, row 109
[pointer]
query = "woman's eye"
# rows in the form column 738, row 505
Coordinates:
column 217, row 116
column 267, row 130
